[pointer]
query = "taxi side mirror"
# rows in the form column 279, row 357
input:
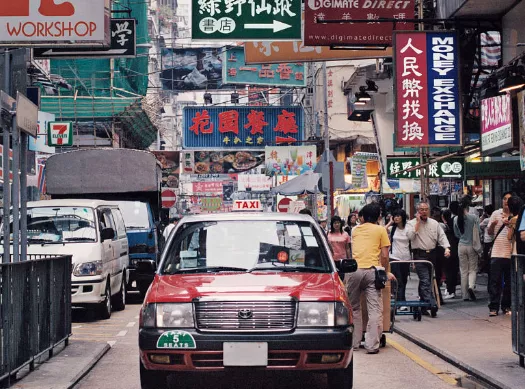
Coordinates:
column 347, row 265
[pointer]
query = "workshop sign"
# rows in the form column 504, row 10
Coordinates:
column 241, row 127
column 235, row 71
column 246, row 20
column 446, row 168
column 496, row 124
column 60, row 134
column 428, row 105
column 372, row 32
column 48, row 22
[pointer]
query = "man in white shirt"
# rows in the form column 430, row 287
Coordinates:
column 169, row 228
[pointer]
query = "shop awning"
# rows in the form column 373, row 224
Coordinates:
column 306, row 183
column 68, row 108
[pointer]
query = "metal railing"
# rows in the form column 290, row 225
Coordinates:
column 518, row 310
column 35, row 310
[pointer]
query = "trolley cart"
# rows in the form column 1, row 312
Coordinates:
column 416, row 306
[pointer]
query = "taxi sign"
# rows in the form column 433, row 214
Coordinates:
column 247, row 205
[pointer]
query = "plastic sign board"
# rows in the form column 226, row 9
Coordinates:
column 373, row 32
column 60, row 134
column 26, row 115
column 446, row 168
column 284, row 204
column 427, row 99
column 48, row 22
column 246, row 20
column 169, row 198
column 247, row 205
column 496, row 124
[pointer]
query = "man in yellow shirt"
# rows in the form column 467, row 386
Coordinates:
column 370, row 245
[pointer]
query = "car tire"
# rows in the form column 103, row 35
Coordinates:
column 104, row 308
column 153, row 379
column 119, row 303
column 343, row 378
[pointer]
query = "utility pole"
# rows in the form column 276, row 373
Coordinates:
column 5, row 163
column 328, row 180
column 423, row 194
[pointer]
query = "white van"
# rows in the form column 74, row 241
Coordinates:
column 93, row 232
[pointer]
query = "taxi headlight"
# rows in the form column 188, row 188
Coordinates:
column 175, row 315
column 314, row 314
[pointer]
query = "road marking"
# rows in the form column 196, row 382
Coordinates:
column 424, row 364
column 122, row 333
column 111, row 343
column 75, row 327
column 131, row 324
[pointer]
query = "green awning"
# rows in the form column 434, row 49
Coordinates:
column 86, row 108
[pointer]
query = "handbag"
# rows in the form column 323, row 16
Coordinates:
column 476, row 241
column 381, row 278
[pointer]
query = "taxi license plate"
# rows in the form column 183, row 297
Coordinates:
column 245, row 354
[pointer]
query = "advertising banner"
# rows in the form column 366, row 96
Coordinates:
column 290, row 160
column 45, row 23
column 191, row 69
column 10, row 165
column 212, row 187
column 235, row 71
column 365, row 166
column 241, row 127
column 169, row 161
column 217, row 163
column 428, row 105
column 40, row 142
column 446, row 168
column 496, row 124
column 296, row 51
column 60, row 134
column 521, row 120
column 254, row 182
column 317, row 33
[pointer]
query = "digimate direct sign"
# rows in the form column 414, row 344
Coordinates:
column 496, row 124
column 428, row 105
column 38, row 22
column 372, row 32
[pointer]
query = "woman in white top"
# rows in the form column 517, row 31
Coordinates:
column 399, row 250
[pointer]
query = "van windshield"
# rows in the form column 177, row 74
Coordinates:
column 135, row 214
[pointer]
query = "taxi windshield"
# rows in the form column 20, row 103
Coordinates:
column 246, row 246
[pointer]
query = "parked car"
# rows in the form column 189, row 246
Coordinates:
column 251, row 290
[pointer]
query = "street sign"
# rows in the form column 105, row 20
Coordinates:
column 60, row 134
column 123, row 44
column 26, row 115
column 453, row 167
column 246, row 20
column 169, row 198
column 284, row 204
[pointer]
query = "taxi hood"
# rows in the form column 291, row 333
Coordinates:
column 301, row 286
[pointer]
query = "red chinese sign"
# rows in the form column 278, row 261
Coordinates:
column 212, row 187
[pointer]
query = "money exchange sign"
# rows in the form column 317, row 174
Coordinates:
column 446, row 168
column 246, row 20
column 428, row 105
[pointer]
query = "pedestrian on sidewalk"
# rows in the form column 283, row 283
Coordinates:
column 452, row 262
column 466, row 229
column 339, row 240
column 399, row 251
column 499, row 275
column 425, row 235
column 370, row 246
column 437, row 215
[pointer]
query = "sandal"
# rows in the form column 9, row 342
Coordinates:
column 493, row 313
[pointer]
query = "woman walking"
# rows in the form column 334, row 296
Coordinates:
column 339, row 240
column 465, row 226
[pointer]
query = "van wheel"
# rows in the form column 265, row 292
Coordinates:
column 343, row 378
column 104, row 308
column 120, row 298
column 153, row 379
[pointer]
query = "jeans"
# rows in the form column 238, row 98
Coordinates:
column 499, row 282
column 400, row 271
column 468, row 267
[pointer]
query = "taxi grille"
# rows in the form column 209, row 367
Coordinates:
column 245, row 315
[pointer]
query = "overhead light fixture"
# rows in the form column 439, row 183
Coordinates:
column 235, row 98
column 513, row 79
column 357, row 101
column 363, row 95
column 207, row 98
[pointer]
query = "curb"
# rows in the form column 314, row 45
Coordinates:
column 86, row 369
column 452, row 360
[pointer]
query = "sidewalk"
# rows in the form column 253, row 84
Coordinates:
column 465, row 335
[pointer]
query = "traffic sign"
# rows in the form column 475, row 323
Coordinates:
column 169, row 198
column 252, row 20
column 284, row 205
column 123, row 44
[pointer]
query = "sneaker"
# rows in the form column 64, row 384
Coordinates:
column 404, row 309
column 471, row 294
column 493, row 313
column 449, row 296
column 507, row 311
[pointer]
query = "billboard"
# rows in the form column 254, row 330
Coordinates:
column 235, row 71
column 296, row 51
column 45, row 23
column 290, row 160
column 373, row 32
column 241, row 127
column 428, row 105
column 496, row 124
column 219, row 165
column 445, row 168
column 521, row 120
column 191, row 69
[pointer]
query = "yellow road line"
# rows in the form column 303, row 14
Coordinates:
column 424, row 364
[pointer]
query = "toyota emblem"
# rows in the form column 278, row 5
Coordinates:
column 245, row 314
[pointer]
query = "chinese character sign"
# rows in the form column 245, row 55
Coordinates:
column 496, row 124
column 235, row 71
column 446, row 168
column 521, row 122
column 241, row 127
column 293, row 160
column 428, row 106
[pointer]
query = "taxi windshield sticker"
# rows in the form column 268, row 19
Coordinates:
column 282, row 256
column 176, row 340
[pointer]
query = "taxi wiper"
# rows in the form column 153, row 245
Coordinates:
column 290, row 269
column 210, row 269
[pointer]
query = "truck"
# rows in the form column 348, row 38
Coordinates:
column 132, row 178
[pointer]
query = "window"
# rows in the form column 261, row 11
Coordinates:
column 135, row 214
column 121, row 228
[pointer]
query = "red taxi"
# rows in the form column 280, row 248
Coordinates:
column 250, row 290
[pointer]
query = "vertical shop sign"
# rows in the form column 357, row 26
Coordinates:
column 521, row 119
column 496, row 124
column 428, row 105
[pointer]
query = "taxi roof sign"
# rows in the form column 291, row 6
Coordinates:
column 247, row 205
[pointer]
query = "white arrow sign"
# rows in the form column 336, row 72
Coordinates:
column 276, row 26
column 51, row 53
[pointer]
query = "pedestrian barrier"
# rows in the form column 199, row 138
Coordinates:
column 35, row 311
column 518, row 310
